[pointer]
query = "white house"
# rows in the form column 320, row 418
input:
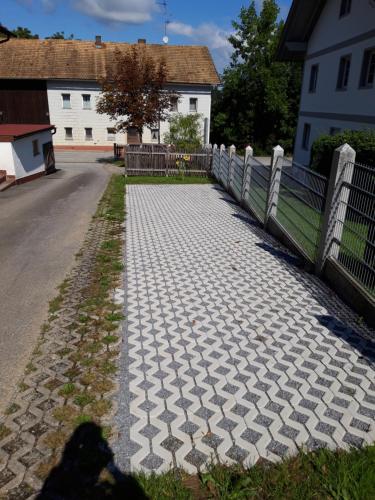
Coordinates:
column 336, row 41
column 26, row 152
column 72, row 70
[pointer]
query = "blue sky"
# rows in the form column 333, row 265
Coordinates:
column 205, row 22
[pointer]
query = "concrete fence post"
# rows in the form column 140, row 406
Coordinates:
column 274, row 183
column 214, row 153
column 222, row 149
column 232, row 152
column 167, row 160
column 125, row 163
column 336, row 204
column 209, row 158
column 249, row 153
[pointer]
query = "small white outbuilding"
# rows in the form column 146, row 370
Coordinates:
column 26, row 152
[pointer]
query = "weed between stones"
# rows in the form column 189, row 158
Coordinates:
column 78, row 345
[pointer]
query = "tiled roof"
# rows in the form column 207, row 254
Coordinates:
column 10, row 132
column 79, row 60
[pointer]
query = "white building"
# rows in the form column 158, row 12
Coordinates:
column 26, row 153
column 336, row 41
column 72, row 71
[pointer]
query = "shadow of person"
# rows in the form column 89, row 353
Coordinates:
column 78, row 475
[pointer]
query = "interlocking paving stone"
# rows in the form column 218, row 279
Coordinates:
column 230, row 349
column 25, row 449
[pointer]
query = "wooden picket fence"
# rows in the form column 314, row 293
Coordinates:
column 162, row 160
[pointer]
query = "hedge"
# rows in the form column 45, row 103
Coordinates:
column 363, row 142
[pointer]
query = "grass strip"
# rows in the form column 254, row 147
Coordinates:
column 322, row 474
column 91, row 379
column 173, row 179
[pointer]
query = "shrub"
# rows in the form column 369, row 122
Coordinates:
column 185, row 132
column 363, row 141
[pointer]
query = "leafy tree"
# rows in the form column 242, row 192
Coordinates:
column 134, row 93
column 259, row 99
column 60, row 35
column 185, row 132
column 20, row 32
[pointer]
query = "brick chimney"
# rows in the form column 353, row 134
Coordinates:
column 142, row 41
column 98, row 42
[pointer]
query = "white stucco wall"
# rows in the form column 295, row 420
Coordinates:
column 78, row 118
column 6, row 158
column 355, row 106
column 18, row 159
column 25, row 163
column 332, row 29
column 321, row 126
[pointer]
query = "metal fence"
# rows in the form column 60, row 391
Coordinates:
column 236, row 175
column 301, row 205
column 319, row 217
column 162, row 160
column 356, row 224
column 256, row 189
column 224, row 168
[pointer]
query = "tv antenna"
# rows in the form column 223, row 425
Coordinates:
column 164, row 5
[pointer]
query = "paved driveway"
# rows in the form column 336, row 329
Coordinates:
column 78, row 157
column 231, row 350
column 42, row 226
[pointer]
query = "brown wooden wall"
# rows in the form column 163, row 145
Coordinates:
column 24, row 101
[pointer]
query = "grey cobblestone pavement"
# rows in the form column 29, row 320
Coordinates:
column 231, row 350
column 32, row 433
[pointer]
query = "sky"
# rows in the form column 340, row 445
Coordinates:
column 203, row 22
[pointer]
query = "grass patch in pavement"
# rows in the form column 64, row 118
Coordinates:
column 173, row 179
column 87, row 392
column 322, row 474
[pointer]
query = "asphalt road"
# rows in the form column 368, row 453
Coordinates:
column 42, row 227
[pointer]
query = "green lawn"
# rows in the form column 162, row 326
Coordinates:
column 303, row 223
column 175, row 179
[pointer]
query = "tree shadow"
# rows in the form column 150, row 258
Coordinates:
column 108, row 159
column 79, row 475
column 280, row 254
column 231, row 201
column 340, row 329
column 338, row 317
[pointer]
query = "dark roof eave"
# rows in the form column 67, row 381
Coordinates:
column 301, row 21
column 207, row 84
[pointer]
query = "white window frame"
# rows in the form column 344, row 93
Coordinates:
column 195, row 100
column 342, row 72
column 345, row 8
column 86, row 104
column 66, row 104
column 153, row 130
column 367, row 62
column 88, row 138
column 66, row 135
column 313, row 82
column 175, row 105
column 306, row 136
column 111, row 136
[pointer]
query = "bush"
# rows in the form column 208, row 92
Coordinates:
column 185, row 132
column 362, row 141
